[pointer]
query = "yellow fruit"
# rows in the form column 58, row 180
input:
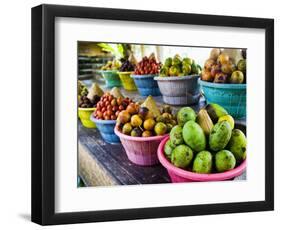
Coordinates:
column 229, row 119
column 149, row 124
column 223, row 58
column 147, row 133
column 136, row 120
column 160, row 128
column 205, row 122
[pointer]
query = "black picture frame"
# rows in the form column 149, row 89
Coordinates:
column 43, row 110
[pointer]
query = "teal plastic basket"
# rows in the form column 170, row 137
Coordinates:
column 111, row 78
column 230, row 96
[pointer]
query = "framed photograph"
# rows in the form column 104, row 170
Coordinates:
column 143, row 114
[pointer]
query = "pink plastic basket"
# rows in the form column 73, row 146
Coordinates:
column 141, row 150
column 181, row 175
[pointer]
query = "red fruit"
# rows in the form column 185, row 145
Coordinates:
column 121, row 107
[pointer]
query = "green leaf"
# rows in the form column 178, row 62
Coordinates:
column 116, row 50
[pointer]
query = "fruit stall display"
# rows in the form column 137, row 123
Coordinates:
column 178, row 81
column 110, row 73
column 204, row 146
column 141, row 128
column 87, row 101
column 150, row 121
column 144, row 74
column 224, row 82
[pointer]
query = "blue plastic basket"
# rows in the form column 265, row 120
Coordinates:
column 146, row 85
column 106, row 129
column 230, row 96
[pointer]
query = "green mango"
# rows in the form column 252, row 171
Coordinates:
column 176, row 60
column 187, row 61
column 203, row 162
column 168, row 149
column 186, row 70
column 238, row 144
column 220, row 136
column 224, row 161
column 174, row 70
column 176, row 135
column 182, row 156
column 168, row 62
column 194, row 136
column 164, row 71
column 185, row 114
column 194, row 68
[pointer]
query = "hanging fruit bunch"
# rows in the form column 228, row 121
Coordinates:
column 221, row 68
column 148, row 65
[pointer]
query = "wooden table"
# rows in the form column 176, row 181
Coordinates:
column 103, row 164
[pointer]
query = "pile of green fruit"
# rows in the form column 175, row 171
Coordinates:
column 112, row 65
column 178, row 66
column 205, row 142
column 146, row 120
column 220, row 68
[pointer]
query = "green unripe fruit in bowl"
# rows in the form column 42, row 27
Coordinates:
column 203, row 162
column 238, row 144
column 187, row 61
column 194, row 136
column 242, row 65
column 220, row 136
column 182, row 156
column 168, row 62
column 237, row 77
column 168, row 149
column 224, row 161
column 176, row 137
column 185, row 114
